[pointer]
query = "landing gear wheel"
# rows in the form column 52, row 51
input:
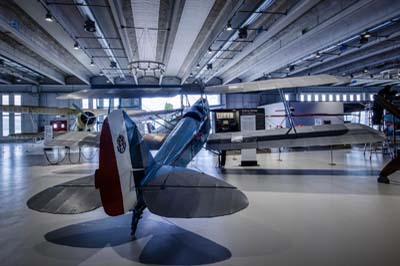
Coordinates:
column 383, row 180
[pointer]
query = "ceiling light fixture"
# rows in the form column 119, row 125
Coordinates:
column 113, row 64
column 243, row 33
column 76, row 45
column 229, row 26
column 49, row 17
column 147, row 68
column 366, row 35
column 365, row 70
column 209, row 50
column 89, row 26
column 198, row 66
column 91, row 63
column 318, row 55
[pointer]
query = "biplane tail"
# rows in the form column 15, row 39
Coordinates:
column 123, row 162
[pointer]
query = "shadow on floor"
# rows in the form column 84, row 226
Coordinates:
column 157, row 242
column 329, row 172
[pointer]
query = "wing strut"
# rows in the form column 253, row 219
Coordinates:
column 287, row 111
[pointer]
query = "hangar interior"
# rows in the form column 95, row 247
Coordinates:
column 303, row 112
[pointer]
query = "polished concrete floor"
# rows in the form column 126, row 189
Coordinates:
column 302, row 211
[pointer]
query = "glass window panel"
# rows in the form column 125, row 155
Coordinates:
column 302, row 98
column 316, row 97
column 116, row 102
column 106, row 103
column 323, row 97
column 6, row 124
column 85, row 103
column 344, row 97
column 309, row 98
column 17, row 100
column 17, row 123
column 331, row 97
column 160, row 103
column 338, row 97
column 5, row 99
column 287, row 97
column 94, row 103
column 358, row 97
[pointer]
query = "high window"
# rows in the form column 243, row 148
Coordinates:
column 85, row 103
column 17, row 116
column 5, row 100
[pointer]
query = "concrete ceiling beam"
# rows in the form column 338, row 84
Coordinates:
column 27, row 32
column 5, row 81
column 277, row 27
column 347, row 22
column 21, row 57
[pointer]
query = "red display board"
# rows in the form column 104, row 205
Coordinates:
column 58, row 125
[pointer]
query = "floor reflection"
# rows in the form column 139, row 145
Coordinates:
column 167, row 244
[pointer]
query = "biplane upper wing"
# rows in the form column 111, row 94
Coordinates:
column 28, row 109
column 122, row 91
column 184, row 193
column 306, row 136
column 272, row 84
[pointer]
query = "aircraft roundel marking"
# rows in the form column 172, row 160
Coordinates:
column 121, row 144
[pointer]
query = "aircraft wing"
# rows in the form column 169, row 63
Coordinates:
column 142, row 113
column 92, row 139
column 272, row 84
column 325, row 135
column 123, row 91
column 38, row 110
column 184, row 193
column 75, row 138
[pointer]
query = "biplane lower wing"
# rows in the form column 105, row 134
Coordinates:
column 75, row 139
column 306, row 136
column 184, row 193
column 92, row 139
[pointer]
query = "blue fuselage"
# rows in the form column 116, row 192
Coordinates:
column 185, row 140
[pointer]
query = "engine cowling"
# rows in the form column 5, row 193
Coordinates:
column 86, row 120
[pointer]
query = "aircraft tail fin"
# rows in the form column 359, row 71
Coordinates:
column 123, row 162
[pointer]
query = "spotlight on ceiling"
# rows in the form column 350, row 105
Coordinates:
column 366, row 34
column 365, row 70
column 229, row 26
column 91, row 63
column 209, row 50
column 18, row 80
column 101, row 73
column 76, row 45
column 113, row 64
column 243, row 33
column 364, row 38
column 198, row 66
column 318, row 55
column 49, row 17
column 89, row 26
